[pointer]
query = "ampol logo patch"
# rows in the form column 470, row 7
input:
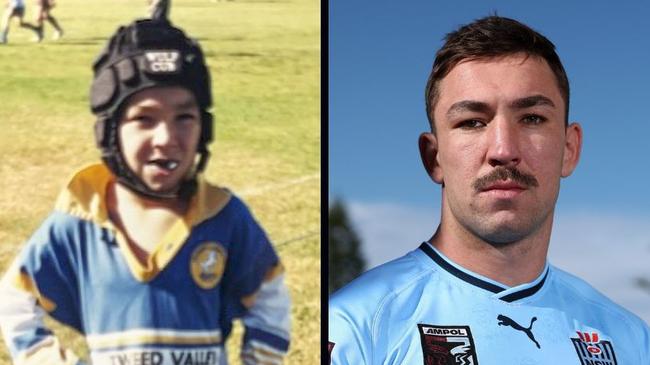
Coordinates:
column 447, row 345
column 592, row 350
column 207, row 264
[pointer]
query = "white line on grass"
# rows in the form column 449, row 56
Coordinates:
column 306, row 234
column 258, row 190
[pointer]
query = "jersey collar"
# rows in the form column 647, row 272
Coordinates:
column 85, row 198
column 500, row 291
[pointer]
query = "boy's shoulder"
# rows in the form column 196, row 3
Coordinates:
column 84, row 195
column 214, row 202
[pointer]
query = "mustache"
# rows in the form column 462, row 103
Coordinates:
column 505, row 173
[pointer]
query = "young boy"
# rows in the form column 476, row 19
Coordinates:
column 15, row 8
column 143, row 257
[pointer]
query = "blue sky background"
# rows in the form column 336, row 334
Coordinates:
column 380, row 55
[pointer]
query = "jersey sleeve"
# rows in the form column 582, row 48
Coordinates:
column 258, row 294
column 267, row 323
column 349, row 337
column 645, row 343
column 39, row 281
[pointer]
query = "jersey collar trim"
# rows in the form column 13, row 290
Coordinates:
column 85, row 198
column 501, row 292
column 526, row 290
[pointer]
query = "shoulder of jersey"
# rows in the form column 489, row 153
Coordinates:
column 595, row 304
column 376, row 286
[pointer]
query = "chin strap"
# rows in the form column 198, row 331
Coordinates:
column 127, row 178
column 107, row 140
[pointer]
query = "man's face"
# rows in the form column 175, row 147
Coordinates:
column 501, row 146
column 159, row 134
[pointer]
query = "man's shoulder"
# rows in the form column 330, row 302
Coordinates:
column 376, row 287
column 359, row 312
column 592, row 304
column 583, row 293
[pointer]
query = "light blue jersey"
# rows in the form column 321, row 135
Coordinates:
column 424, row 309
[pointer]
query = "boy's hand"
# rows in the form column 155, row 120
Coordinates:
column 50, row 353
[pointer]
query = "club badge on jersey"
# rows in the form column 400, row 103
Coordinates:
column 208, row 264
column 592, row 350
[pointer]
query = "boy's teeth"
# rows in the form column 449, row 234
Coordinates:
column 171, row 165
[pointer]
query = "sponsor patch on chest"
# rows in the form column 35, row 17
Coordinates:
column 447, row 345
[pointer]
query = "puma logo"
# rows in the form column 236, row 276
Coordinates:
column 505, row 321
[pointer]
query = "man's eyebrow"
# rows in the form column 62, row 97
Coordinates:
column 531, row 101
column 481, row 107
column 467, row 105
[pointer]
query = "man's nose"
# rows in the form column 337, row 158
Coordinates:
column 503, row 143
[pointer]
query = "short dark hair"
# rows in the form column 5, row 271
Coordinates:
column 488, row 37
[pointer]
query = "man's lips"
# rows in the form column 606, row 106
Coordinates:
column 505, row 179
column 505, row 185
column 503, row 190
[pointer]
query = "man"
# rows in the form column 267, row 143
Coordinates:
column 151, row 263
column 481, row 291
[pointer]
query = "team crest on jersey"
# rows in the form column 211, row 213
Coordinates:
column 207, row 264
column 592, row 350
column 447, row 345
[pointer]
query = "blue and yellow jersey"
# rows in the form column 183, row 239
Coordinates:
column 424, row 309
column 212, row 267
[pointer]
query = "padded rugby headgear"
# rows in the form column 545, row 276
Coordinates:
column 144, row 54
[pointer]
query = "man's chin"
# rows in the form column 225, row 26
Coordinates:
column 503, row 238
column 503, row 234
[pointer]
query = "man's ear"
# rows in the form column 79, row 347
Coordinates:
column 572, row 148
column 428, row 144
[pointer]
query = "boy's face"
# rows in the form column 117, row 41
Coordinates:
column 159, row 134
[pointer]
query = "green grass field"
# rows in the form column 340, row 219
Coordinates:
column 265, row 62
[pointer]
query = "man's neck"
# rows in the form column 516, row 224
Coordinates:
column 510, row 264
